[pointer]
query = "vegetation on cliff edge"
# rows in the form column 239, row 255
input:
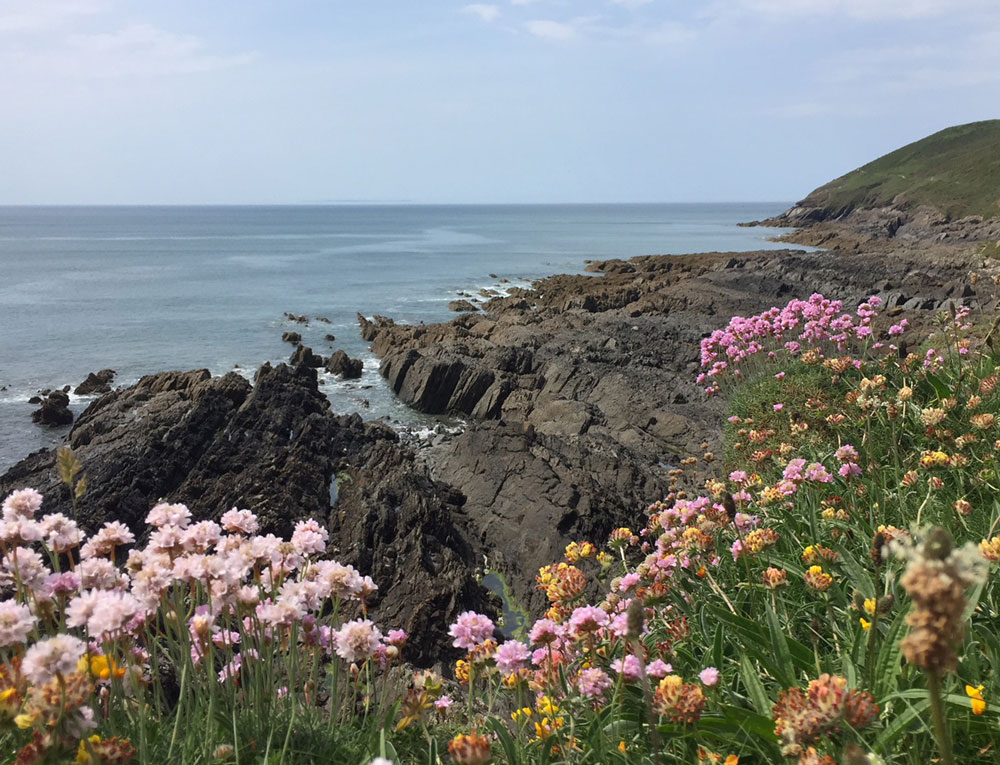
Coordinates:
column 956, row 170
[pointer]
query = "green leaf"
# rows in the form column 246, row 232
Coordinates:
column 755, row 688
column 505, row 739
column 889, row 664
column 940, row 388
column 779, row 644
column 900, row 723
column 717, row 647
column 858, row 575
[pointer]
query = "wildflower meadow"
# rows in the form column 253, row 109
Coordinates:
column 828, row 596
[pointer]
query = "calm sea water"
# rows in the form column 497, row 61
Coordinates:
column 147, row 289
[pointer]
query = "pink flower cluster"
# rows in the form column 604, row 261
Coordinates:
column 814, row 322
column 245, row 591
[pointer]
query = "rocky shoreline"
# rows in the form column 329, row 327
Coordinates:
column 579, row 398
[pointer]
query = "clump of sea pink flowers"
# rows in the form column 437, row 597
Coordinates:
column 470, row 629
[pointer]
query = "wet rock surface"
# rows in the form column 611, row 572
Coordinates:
column 303, row 355
column 343, row 365
column 96, row 382
column 54, row 410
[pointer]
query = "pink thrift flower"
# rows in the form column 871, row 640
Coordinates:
column 512, row 656
column 16, row 623
column 847, row 453
column 470, row 629
column 56, row 655
column 441, row 704
column 309, row 537
column 778, row 407
column 709, row 676
column 239, row 522
column 630, row 668
column 23, row 503
column 793, row 470
column 397, row 638
column 545, row 631
column 587, row 619
column 357, row 640
column 850, row 470
column 628, row 581
column 593, row 683
column 816, row 472
column 658, row 669
column 165, row 514
column 736, row 549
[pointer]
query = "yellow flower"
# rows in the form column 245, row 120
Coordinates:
column 24, row 721
column 517, row 714
column 975, row 695
column 621, row 746
column 82, row 755
column 870, row 606
column 103, row 667
column 547, row 706
column 865, row 624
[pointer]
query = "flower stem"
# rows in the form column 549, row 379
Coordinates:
column 940, row 724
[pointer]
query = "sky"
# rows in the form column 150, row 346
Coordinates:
column 424, row 101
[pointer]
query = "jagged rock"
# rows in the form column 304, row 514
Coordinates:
column 96, row 382
column 54, row 410
column 291, row 337
column 329, row 338
column 461, row 305
column 304, row 356
column 342, row 364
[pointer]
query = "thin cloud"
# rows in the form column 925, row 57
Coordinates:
column 631, row 3
column 147, row 50
column 551, row 30
column 861, row 10
column 135, row 51
column 485, row 12
column 39, row 16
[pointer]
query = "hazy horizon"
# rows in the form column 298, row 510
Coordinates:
column 516, row 102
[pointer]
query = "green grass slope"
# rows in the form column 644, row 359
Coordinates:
column 956, row 170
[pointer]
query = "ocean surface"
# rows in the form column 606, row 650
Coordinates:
column 147, row 289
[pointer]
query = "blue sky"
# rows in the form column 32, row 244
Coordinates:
column 111, row 102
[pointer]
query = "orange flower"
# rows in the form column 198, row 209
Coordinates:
column 975, row 695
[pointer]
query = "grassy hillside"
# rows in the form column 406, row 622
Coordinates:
column 956, row 170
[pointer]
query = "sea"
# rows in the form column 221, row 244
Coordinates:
column 147, row 289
